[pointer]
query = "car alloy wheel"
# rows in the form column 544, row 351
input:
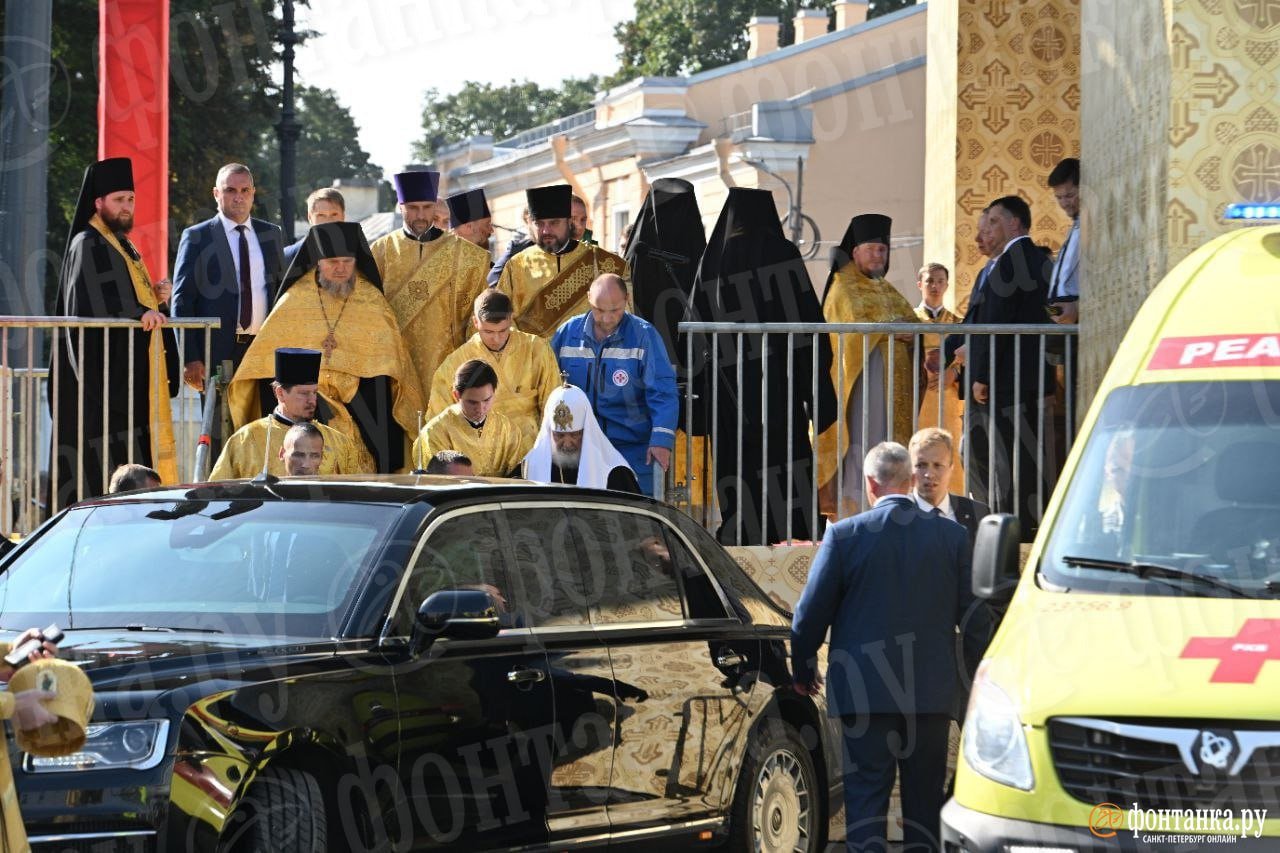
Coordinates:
column 781, row 809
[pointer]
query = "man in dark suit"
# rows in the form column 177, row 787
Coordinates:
column 1013, row 292
column 324, row 205
column 932, row 459
column 229, row 267
column 892, row 584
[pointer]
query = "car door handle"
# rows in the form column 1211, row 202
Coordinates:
column 727, row 659
column 525, row 675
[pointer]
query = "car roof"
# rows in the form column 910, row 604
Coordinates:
column 395, row 489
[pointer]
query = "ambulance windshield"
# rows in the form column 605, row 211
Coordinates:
column 1182, row 478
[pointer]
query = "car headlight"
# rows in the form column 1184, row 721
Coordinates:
column 995, row 744
column 137, row 745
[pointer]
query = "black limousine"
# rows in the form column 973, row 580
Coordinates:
column 414, row 663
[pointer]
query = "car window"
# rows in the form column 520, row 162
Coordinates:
column 627, row 567
column 546, row 572
column 701, row 601
column 240, row 566
column 462, row 552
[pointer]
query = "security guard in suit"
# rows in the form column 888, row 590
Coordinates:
column 892, row 584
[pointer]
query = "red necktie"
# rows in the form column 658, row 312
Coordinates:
column 246, row 285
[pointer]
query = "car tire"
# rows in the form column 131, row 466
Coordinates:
column 778, row 804
column 284, row 813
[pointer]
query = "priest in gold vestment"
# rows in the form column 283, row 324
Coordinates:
column 857, row 292
column 331, row 300
column 258, row 443
column 472, row 426
column 939, row 392
column 525, row 364
column 548, row 281
column 429, row 276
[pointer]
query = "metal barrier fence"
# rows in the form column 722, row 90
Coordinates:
column 30, row 391
column 761, row 485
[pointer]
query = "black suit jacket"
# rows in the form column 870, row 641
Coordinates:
column 1015, row 291
column 205, row 282
column 969, row 512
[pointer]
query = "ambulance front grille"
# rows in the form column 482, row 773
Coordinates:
column 1168, row 764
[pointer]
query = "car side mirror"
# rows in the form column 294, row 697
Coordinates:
column 464, row 614
column 995, row 557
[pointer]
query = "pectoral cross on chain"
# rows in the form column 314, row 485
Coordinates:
column 328, row 345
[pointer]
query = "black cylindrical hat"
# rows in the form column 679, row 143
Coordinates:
column 297, row 366
column 467, row 207
column 554, row 202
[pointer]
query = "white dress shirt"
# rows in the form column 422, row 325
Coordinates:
column 945, row 506
column 257, row 270
column 1065, row 280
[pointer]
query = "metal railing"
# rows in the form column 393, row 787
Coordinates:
column 31, row 390
column 534, row 135
column 1010, row 461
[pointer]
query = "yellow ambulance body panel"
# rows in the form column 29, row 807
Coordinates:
column 1131, row 697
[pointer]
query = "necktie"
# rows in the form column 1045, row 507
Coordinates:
column 936, row 511
column 246, row 286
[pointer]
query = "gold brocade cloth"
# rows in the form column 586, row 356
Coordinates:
column 527, row 374
column 495, row 450
column 163, row 453
column 547, row 289
column 259, row 441
column 856, row 298
column 367, row 344
column 431, row 287
column 952, row 419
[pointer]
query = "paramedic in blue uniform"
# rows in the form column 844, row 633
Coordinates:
column 620, row 361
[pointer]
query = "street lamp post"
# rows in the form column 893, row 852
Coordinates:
column 289, row 127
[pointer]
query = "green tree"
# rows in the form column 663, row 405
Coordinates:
column 328, row 150
column 501, row 111
column 674, row 37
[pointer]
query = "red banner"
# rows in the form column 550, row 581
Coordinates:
column 133, row 113
column 1258, row 350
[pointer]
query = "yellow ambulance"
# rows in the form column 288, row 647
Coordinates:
column 1131, row 697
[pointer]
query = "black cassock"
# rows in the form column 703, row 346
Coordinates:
column 750, row 273
column 666, row 245
column 94, row 282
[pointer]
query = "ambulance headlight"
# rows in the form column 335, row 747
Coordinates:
column 995, row 743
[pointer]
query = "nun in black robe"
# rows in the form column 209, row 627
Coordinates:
column 666, row 245
column 751, row 273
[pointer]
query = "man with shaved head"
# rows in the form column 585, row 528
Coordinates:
column 621, row 362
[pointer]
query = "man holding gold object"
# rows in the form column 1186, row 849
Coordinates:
column 332, row 301
column 429, row 276
column 548, row 282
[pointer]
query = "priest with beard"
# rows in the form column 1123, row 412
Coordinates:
column 572, row 449
column 548, row 281
column 122, row 395
column 429, row 276
column 857, row 292
column 469, row 217
column 331, row 300
column 751, row 273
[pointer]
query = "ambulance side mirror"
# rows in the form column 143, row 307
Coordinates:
column 995, row 557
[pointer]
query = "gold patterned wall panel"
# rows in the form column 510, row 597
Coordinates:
column 1181, row 117
column 1017, row 98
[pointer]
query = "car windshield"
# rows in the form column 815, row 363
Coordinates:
column 1177, row 492
column 241, row 567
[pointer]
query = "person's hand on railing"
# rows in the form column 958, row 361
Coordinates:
column 661, row 455
column 153, row 320
column 193, row 375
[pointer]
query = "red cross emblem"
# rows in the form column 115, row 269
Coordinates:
column 1240, row 658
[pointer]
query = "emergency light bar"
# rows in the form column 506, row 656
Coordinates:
column 1252, row 211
